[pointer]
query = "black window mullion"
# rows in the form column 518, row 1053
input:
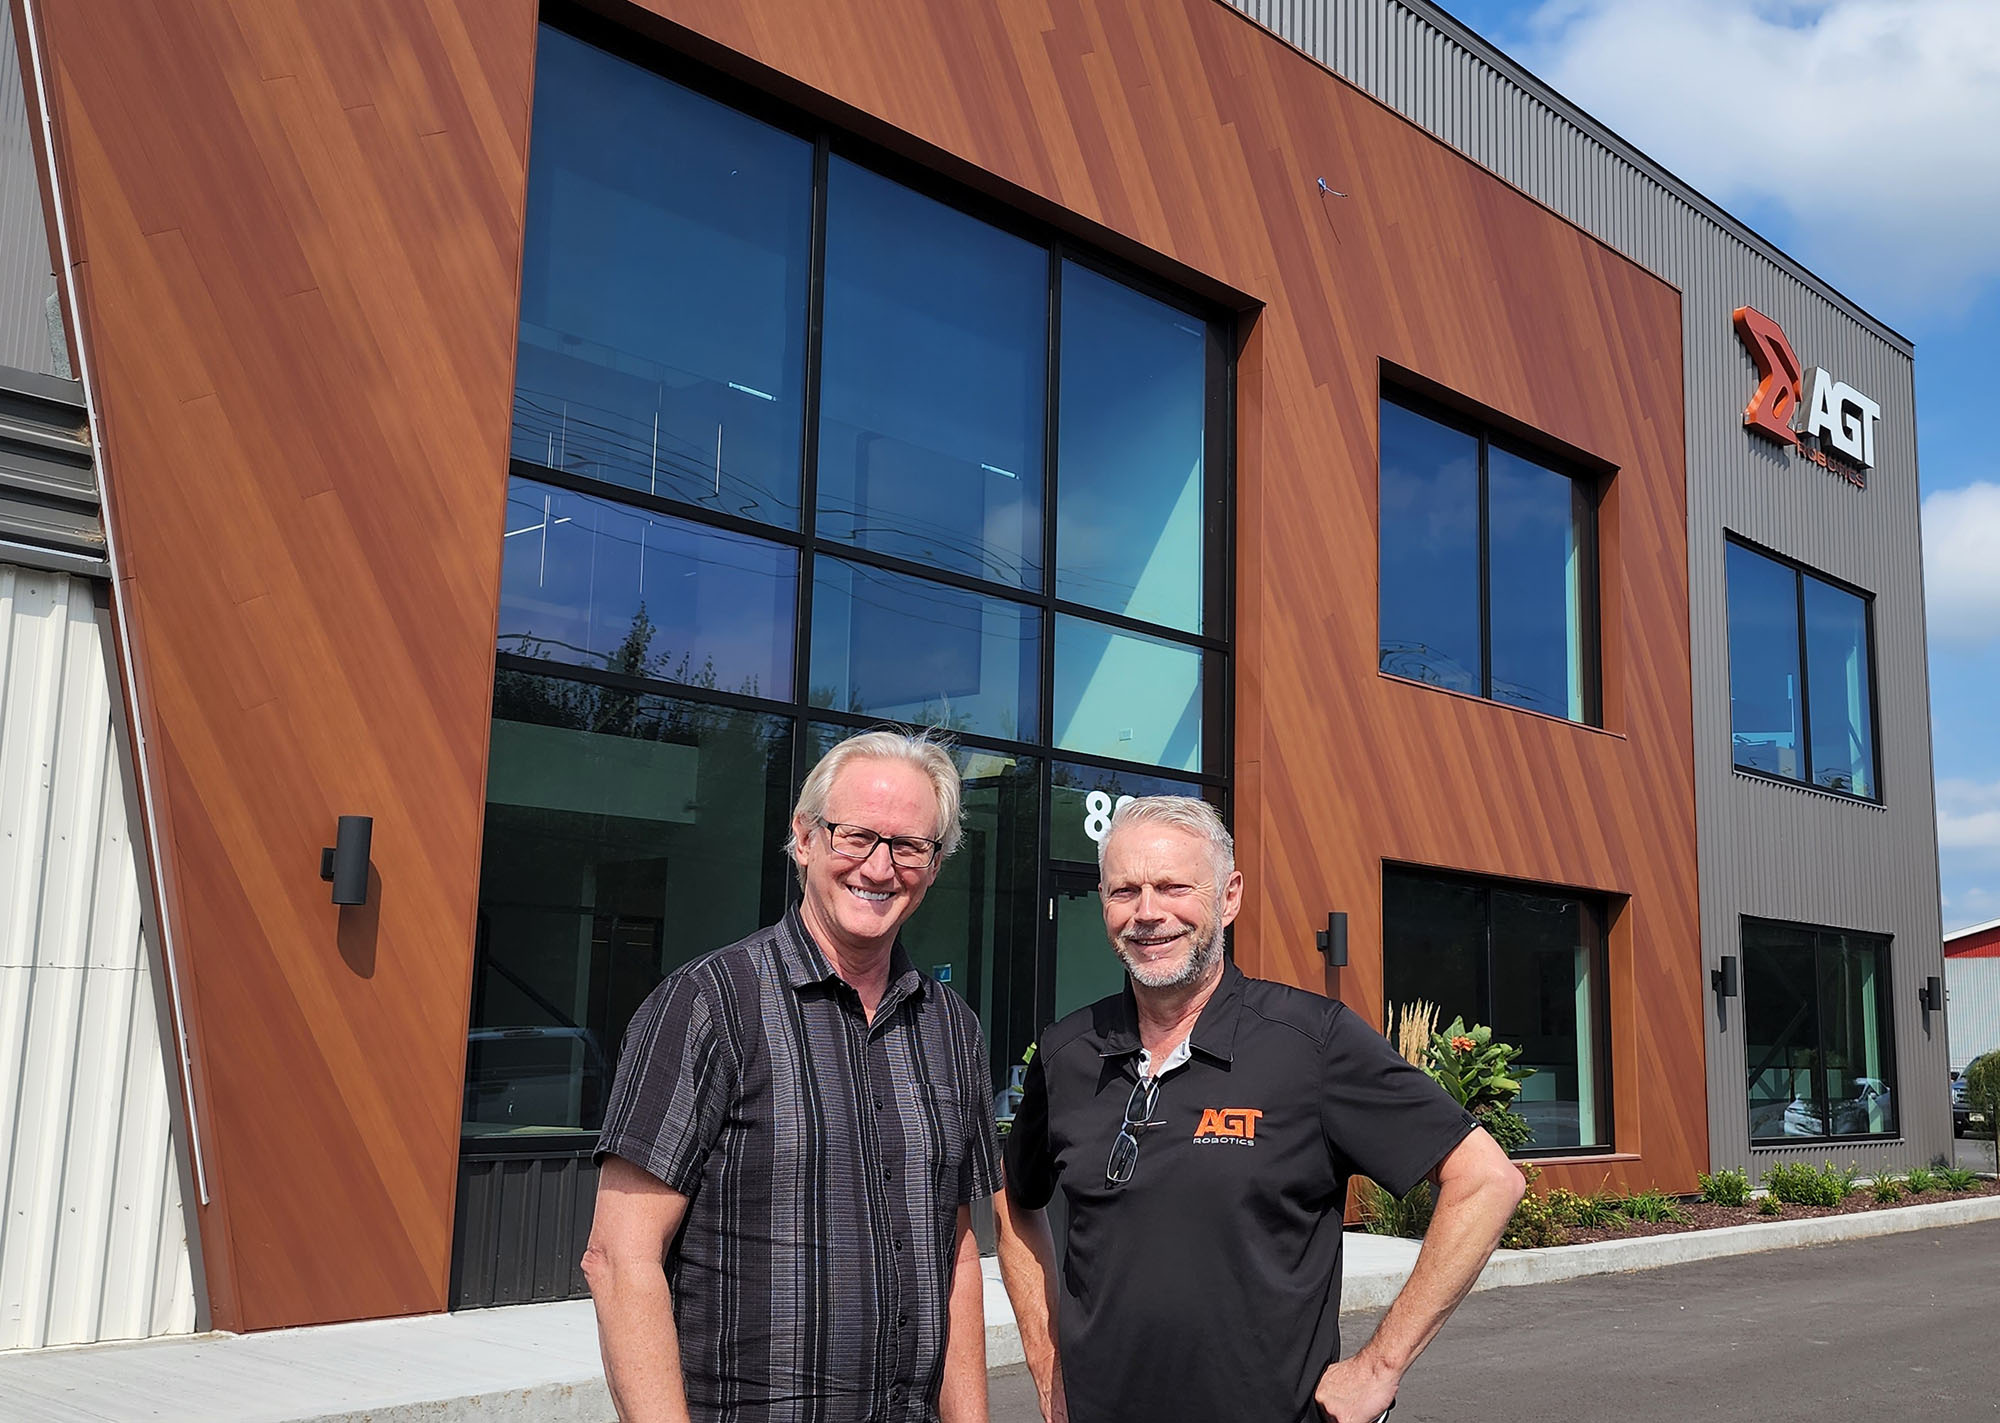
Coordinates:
column 1805, row 682
column 1486, row 1014
column 809, row 473
column 1051, row 444
column 1485, row 577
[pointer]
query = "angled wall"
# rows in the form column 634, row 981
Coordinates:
column 295, row 237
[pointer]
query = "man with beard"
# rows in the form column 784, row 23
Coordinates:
column 1201, row 1127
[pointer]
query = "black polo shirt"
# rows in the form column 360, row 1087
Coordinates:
column 1208, row 1286
column 824, row 1157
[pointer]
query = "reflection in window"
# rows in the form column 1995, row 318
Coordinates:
column 1487, row 583
column 1529, row 965
column 1820, row 1057
column 600, row 584
column 976, row 930
column 1122, row 695
column 1779, row 688
column 906, row 649
column 1084, row 797
column 663, row 291
column 624, row 835
column 934, row 361
column 1131, row 501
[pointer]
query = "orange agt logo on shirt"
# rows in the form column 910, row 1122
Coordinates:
column 1230, row 1126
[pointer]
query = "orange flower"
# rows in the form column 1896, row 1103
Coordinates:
column 1462, row 1043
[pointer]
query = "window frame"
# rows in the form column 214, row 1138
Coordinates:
column 1604, row 907
column 1587, row 485
column 1884, row 945
column 1801, row 571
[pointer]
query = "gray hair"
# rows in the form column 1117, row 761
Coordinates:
column 924, row 750
column 1196, row 817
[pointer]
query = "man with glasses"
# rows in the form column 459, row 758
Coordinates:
column 797, row 1133
column 1201, row 1127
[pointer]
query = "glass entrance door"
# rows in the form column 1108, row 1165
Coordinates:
column 1085, row 969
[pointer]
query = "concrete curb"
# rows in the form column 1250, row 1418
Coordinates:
column 1510, row 1268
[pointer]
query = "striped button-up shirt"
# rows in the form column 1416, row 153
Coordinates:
column 825, row 1158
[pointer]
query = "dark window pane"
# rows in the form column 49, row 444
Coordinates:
column 1764, row 704
column 1843, row 723
column 909, row 650
column 1430, row 551
column 933, row 382
column 1536, row 567
column 600, row 584
column 1126, row 696
column 663, row 295
column 976, row 930
column 1781, row 1029
column 1132, row 492
column 1546, row 968
column 1434, row 946
column 1854, row 1018
column 625, row 835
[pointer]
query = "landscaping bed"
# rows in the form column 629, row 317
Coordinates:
column 1704, row 1215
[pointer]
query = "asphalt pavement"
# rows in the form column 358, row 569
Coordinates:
column 1899, row 1326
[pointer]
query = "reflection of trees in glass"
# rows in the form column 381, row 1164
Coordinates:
column 1421, row 662
column 634, row 657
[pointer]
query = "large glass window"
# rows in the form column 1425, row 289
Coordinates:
column 663, row 290
column 1488, row 582
column 1131, row 505
column 625, row 834
column 1529, row 964
column 935, row 359
column 786, row 437
column 1820, row 1056
column 1801, row 677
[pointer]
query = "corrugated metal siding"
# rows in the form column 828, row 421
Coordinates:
column 26, row 283
column 520, row 1228
column 93, row 1236
column 1765, row 850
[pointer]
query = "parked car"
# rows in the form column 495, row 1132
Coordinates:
column 1969, row 1118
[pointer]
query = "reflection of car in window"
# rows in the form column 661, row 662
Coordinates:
column 528, row 1078
column 1866, row 1113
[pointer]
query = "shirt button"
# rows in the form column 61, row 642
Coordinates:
column 887, row 1175
column 878, row 1104
column 899, row 1245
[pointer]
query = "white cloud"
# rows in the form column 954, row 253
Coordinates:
column 1968, row 815
column 1871, row 122
column 1962, row 564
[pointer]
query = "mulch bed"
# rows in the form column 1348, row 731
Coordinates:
column 1702, row 1216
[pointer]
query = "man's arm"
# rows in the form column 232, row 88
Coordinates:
column 963, row 1397
column 1028, row 1268
column 637, row 1217
column 1477, row 1190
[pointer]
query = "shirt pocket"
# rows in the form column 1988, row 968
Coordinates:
column 939, row 1119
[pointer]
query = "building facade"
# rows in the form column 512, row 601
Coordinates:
column 543, row 429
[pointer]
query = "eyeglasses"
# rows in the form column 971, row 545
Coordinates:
column 858, row 842
column 1125, row 1150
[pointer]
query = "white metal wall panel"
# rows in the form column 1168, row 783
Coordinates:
column 1972, row 1007
column 94, row 1240
column 1764, row 850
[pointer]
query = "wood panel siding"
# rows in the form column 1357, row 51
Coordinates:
column 1180, row 135
column 296, row 234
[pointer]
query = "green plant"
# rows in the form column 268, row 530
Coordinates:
column 1887, row 1188
column 1769, row 1205
column 1653, row 1206
column 1589, row 1212
column 1798, row 1184
column 1476, row 1070
column 1506, row 1126
column 1725, row 1188
column 1384, row 1213
column 1535, row 1222
column 1982, row 1087
column 1959, row 1178
column 1921, row 1179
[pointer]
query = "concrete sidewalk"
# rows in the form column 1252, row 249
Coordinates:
column 539, row 1362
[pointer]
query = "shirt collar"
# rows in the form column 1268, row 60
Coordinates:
column 1117, row 1032
column 804, row 963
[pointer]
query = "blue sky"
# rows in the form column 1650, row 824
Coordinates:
column 1860, row 136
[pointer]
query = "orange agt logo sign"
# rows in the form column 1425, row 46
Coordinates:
column 1826, row 421
column 1235, row 1126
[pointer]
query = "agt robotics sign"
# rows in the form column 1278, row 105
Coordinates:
column 1833, row 425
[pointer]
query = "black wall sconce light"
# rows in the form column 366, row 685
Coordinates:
column 1723, row 979
column 1931, row 995
column 345, row 863
column 1333, row 939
